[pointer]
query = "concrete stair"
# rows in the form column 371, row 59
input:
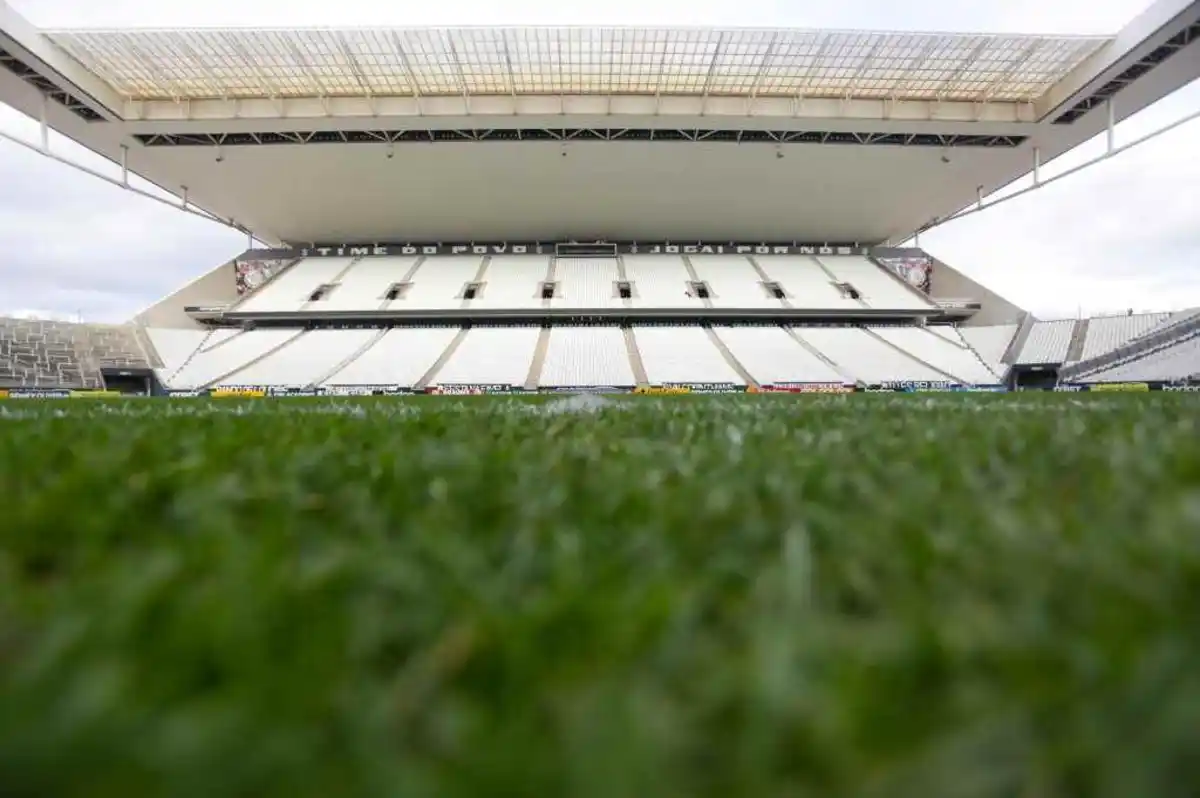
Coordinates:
column 539, row 358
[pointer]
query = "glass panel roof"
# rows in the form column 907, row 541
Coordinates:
column 211, row 64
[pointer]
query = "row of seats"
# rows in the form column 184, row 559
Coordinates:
column 1106, row 333
column 569, row 356
column 1050, row 342
column 514, row 282
column 1178, row 361
column 48, row 354
column 36, row 353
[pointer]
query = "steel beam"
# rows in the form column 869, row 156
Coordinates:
column 1112, row 153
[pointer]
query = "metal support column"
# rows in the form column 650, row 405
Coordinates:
column 1112, row 126
column 45, row 127
column 1037, row 166
column 124, row 165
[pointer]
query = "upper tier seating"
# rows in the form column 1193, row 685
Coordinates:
column 682, row 355
column 1106, row 333
column 880, row 289
column 733, row 281
column 1048, row 342
column 439, row 283
column 660, row 281
column 365, row 285
column 289, row 291
column 592, row 356
column 773, row 357
column 806, row 284
column 491, row 356
column 512, row 281
column 866, row 357
column 586, row 283
column 515, row 282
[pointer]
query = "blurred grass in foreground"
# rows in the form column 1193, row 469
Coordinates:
column 729, row 596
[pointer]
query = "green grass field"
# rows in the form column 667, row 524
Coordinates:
column 873, row 595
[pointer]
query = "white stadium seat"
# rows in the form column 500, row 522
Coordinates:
column 305, row 360
column 991, row 342
column 511, row 282
column 660, row 281
column 772, row 356
column 866, row 357
column 807, row 285
column 401, row 357
column 880, row 289
column 1106, row 333
column 946, row 332
column 438, row 283
column 1179, row 361
column 491, row 356
column 945, row 355
column 174, row 346
column 580, row 356
column 227, row 351
column 586, row 283
column 733, row 281
column 682, row 355
column 290, row 290
column 365, row 286
column 1048, row 342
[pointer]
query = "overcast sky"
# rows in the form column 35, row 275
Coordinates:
column 1121, row 234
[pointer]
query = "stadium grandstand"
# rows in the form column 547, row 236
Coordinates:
column 572, row 209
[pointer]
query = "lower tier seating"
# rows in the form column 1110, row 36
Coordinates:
column 35, row 354
column 1179, row 360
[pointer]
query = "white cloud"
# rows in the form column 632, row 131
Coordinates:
column 1121, row 234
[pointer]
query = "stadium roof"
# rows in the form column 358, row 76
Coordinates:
column 211, row 64
column 686, row 134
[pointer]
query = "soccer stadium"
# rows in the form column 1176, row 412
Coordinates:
column 290, row 575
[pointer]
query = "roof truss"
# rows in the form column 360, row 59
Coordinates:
column 244, row 64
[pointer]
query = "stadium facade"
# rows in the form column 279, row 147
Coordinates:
column 519, row 209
